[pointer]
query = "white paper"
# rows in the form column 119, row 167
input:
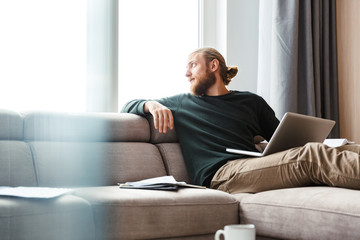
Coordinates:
column 156, row 180
column 33, row 192
column 336, row 142
column 159, row 183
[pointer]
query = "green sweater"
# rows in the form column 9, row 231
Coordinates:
column 207, row 125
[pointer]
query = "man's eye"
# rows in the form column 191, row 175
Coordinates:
column 193, row 65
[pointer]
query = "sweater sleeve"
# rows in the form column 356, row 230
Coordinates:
column 135, row 106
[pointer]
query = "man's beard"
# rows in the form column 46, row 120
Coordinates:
column 203, row 83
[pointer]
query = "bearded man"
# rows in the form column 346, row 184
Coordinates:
column 211, row 118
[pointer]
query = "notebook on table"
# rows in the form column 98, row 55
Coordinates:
column 294, row 130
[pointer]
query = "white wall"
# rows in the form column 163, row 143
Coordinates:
column 231, row 26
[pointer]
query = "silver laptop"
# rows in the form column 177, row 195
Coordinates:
column 294, row 130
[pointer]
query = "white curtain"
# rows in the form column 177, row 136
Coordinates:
column 102, row 56
column 264, row 53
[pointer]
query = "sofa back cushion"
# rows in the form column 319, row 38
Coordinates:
column 170, row 150
column 91, row 149
column 84, row 149
column 16, row 164
column 173, row 161
column 77, row 164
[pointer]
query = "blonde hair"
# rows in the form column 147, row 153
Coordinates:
column 226, row 73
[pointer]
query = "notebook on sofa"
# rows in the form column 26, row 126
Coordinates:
column 294, row 130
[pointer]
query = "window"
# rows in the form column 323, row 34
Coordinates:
column 43, row 51
column 43, row 55
column 155, row 39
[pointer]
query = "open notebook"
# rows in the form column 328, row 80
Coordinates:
column 294, row 130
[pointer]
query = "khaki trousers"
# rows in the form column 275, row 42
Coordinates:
column 312, row 164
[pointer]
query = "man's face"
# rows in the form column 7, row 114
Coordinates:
column 199, row 75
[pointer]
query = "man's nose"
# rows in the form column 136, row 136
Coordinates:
column 188, row 73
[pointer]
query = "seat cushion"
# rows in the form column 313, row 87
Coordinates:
column 65, row 217
column 143, row 214
column 304, row 213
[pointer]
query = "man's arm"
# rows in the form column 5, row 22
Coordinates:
column 268, row 121
column 163, row 117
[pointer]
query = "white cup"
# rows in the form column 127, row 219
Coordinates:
column 237, row 232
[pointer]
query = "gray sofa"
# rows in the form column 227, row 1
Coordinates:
column 92, row 152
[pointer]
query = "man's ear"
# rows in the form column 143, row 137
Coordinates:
column 214, row 65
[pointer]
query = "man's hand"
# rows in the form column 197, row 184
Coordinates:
column 259, row 144
column 163, row 118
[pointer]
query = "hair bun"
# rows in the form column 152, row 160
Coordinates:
column 231, row 73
